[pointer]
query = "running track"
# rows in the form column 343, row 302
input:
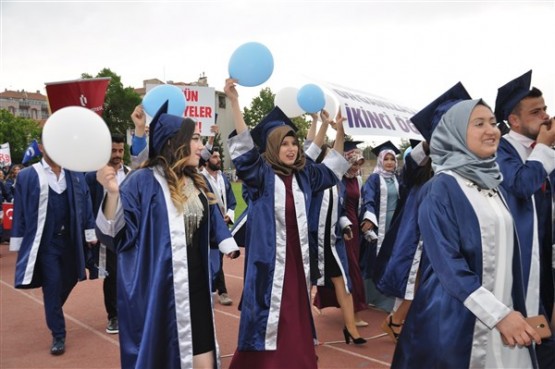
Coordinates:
column 25, row 340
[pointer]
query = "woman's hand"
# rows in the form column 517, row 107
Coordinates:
column 234, row 254
column 516, row 331
column 230, row 90
column 347, row 233
column 106, row 176
column 366, row 225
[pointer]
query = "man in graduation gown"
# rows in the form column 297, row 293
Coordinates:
column 221, row 187
column 52, row 222
column 104, row 258
column 528, row 165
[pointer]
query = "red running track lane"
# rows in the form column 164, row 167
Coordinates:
column 25, row 340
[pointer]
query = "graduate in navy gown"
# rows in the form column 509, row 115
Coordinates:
column 276, row 328
column 380, row 195
column 52, row 226
column 469, row 308
column 219, row 185
column 329, row 230
column 400, row 277
column 527, row 162
column 161, row 222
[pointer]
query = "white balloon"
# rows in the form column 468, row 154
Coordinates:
column 331, row 105
column 286, row 99
column 77, row 139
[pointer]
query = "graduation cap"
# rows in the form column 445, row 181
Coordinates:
column 509, row 95
column 162, row 127
column 387, row 145
column 414, row 143
column 427, row 119
column 350, row 145
column 503, row 127
column 275, row 118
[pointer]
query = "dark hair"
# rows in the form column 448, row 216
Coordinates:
column 533, row 94
column 172, row 158
column 322, row 155
column 118, row 138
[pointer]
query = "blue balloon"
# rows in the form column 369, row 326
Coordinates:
column 311, row 98
column 156, row 97
column 251, row 64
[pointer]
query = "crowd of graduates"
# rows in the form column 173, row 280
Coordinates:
column 456, row 244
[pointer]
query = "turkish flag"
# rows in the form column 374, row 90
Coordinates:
column 88, row 93
column 7, row 208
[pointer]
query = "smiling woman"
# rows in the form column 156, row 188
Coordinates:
column 482, row 134
column 471, row 280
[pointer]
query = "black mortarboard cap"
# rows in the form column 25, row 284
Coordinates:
column 162, row 127
column 351, row 145
column 503, row 127
column 387, row 145
column 509, row 95
column 275, row 118
column 414, row 143
column 427, row 119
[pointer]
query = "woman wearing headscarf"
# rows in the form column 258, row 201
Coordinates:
column 469, row 309
column 276, row 328
column 402, row 247
column 161, row 222
column 380, row 195
column 329, row 231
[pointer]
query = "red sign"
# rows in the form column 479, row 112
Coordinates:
column 7, row 208
column 88, row 93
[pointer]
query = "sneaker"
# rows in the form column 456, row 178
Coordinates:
column 225, row 300
column 112, row 327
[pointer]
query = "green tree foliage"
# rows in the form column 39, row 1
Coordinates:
column 119, row 102
column 263, row 104
column 19, row 132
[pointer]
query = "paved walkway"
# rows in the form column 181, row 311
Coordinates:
column 25, row 340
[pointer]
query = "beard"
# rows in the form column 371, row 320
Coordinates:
column 214, row 167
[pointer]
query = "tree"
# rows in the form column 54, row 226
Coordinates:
column 119, row 102
column 19, row 132
column 262, row 105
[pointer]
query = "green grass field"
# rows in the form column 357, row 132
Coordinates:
column 236, row 186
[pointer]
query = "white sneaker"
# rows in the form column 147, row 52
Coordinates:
column 225, row 300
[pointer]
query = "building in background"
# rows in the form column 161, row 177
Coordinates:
column 31, row 105
column 222, row 105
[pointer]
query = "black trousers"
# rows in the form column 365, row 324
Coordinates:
column 219, row 278
column 110, row 285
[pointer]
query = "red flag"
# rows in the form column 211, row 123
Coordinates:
column 7, row 208
column 88, row 93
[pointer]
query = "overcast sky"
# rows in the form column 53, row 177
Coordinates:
column 406, row 51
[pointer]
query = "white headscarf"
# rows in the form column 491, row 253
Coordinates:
column 449, row 150
column 379, row 166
